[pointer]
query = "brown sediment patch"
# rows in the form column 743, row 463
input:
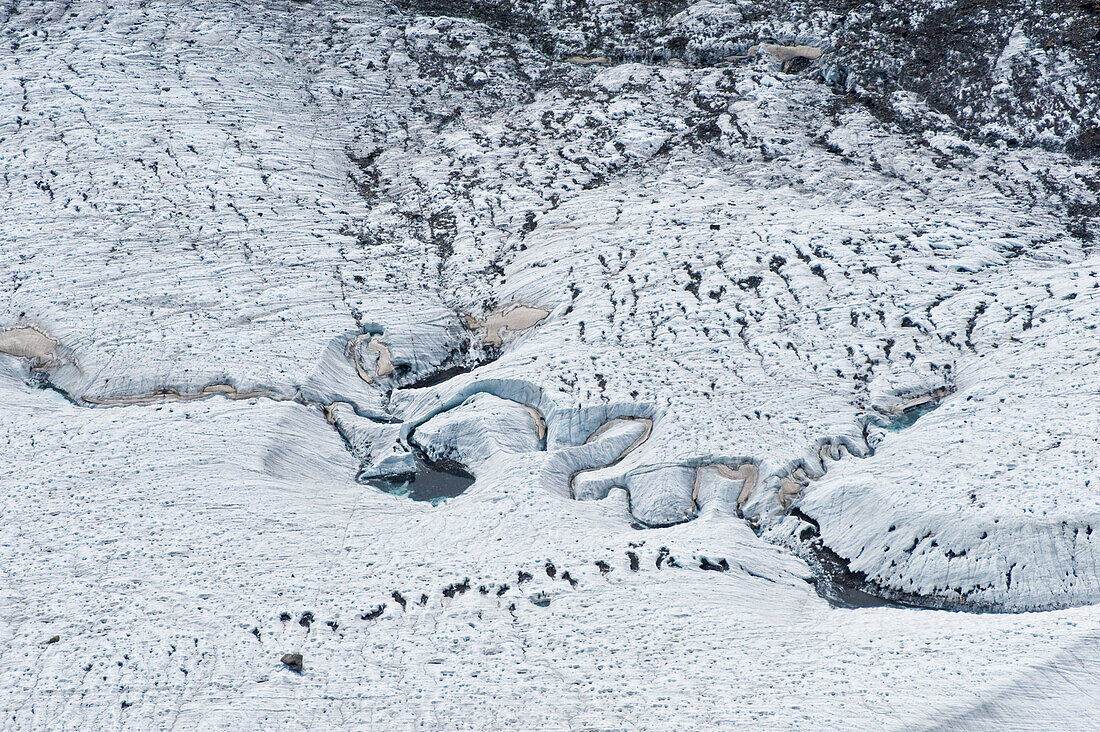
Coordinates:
column 603, row 428
column 619, row 420
column 353, row 353
column 540, row 422
column 30, row 343
column 519, row 317
column 385, row 359
column 746, row 472
column 789, row 53
column 589, row 60
column 383, row 366
column 791, row 487
column 171, row 395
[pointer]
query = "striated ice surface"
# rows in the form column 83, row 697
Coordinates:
column 480, row 429
column 722, row 305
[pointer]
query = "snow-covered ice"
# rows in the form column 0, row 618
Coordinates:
column 724, row 314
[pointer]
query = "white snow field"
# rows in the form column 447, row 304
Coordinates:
column 742, row 400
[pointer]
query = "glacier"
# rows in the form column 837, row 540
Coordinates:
column 766, row 334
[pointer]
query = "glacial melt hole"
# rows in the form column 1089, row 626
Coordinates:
column 434, row 480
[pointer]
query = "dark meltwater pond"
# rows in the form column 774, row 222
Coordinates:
column 434, row 481
column 849, row 597
column 843, row 588
column 908, row 417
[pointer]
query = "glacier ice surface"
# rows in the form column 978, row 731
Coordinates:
column 704, row 327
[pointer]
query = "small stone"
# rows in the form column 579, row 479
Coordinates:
column 541, row 599
column 374, row 613
column 54, row 639
column 721, row 566
column 292, row 661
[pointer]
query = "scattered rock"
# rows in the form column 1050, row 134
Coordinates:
column 374, row 613
column 292, row 661
column 457, row 588
column 603, row 566
column 721, row 566
column 664, row 557
column 53, row 639
column 634, row 562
